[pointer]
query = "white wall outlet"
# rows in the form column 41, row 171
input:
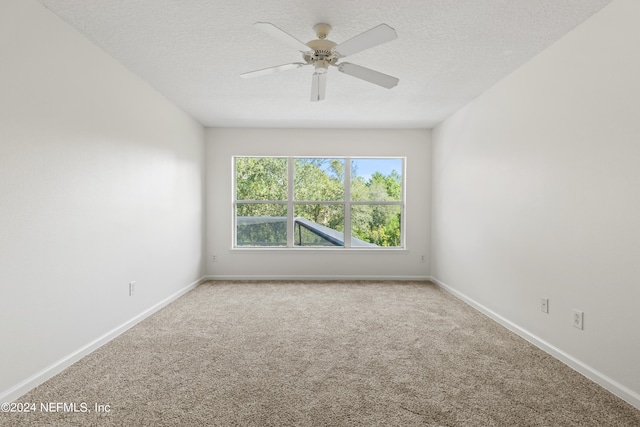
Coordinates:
column 544, row 305
column 214, row 258
column 422, row 259
column 132, row 288
column 578, row 319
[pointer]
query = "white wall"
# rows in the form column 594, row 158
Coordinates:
column 223, row 143
column 536, row 193
column 101, row 183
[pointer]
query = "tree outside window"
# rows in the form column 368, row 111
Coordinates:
column 316, row 201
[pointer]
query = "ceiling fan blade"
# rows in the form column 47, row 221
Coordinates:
column 373, row 37
column 281, row 35
column 271, row 70
column 368, row 75
column 318, row 86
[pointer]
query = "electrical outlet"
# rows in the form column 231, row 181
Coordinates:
column 214, row 258
column 544, row 305
column 422, row 259
column 578, row 319
column 132, row 288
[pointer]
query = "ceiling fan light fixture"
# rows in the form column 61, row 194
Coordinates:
column 321, row 67
column 322, row 53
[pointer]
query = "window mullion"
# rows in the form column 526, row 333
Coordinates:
column 261, row 202
column 256, row 230
column 347, row 202
column 376, row 202
column 403, row 211
column 290, row 226
column 318, row 202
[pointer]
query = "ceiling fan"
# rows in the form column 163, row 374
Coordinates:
column 322, row 53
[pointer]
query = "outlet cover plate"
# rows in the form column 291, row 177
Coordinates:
column 578, row 319
column 544, row 305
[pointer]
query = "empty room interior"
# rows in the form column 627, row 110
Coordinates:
column 506, row 137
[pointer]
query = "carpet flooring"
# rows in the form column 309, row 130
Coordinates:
column 321, row 354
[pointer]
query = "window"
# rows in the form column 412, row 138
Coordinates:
column 294, row 202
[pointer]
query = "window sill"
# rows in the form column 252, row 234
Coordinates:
column 335, row 250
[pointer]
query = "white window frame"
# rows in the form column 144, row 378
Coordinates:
column 291, row 203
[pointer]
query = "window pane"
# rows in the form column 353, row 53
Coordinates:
column 318, row 225
column 376, row 180
column 318, row 179
column 261, row 178
column 377, row 225
column 261, row 225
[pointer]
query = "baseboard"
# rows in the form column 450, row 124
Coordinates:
column 594, row 375
column 314, row 277
column 38, row 378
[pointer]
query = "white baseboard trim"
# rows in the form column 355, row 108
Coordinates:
column 314, row 277
column 38, row 378
column 594, row 375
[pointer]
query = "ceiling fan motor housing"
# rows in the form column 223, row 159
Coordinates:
column 322, row 54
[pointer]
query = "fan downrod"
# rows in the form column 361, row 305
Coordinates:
column 322, row 30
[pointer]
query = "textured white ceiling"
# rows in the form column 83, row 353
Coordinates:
column 447, row 53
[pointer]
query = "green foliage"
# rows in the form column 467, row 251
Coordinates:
column 378, row 224
column 261, row 178
column 388, row 186
column 313, row 183
column 316, row 181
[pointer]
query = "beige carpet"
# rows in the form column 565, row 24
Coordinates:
column 323, row 354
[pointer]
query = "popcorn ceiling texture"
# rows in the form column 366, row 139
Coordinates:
column 446, row 54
